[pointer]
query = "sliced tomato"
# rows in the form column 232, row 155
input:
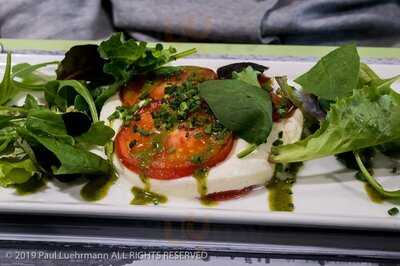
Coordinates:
column 169, row 154
column 172, row 153
column 155, row 86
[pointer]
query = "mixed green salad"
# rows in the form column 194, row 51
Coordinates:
column 56, row 139
column 349, row 112
column 361, row 115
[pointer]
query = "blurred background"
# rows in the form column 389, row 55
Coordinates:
column 309, row 22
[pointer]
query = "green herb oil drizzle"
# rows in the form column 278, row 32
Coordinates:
column 144, row 196
column 34, row 184
column 97, row 188
column 201, row 177
column 372, row 194
column 280, row 194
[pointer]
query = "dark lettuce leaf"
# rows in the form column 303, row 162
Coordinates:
column 76, row 123
column 306, row 102
column 83, row 62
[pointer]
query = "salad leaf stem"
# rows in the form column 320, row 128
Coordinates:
column 184, row 54
column 373, row 182
column 248, row 150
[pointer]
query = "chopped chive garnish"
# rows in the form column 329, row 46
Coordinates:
column 393, row 211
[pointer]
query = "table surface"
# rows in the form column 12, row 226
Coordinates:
column 31, row 239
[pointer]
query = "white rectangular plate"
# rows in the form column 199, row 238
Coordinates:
column 324, row 195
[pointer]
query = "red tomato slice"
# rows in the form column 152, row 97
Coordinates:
column 168, row 154
column 173, row 153
column 131, row 93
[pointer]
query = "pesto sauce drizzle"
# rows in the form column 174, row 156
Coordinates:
column 144, row 196
column 201, row 177
column 145, row 156
column 280, row 196
column 372, row 194
column 97, row 188
column 146, row 182
column 34, row 184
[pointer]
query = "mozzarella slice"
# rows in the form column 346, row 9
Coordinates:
column 233, row 173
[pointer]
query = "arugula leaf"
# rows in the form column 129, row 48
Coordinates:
column 241, row 107
column 6, row 89
column 368, row 118
column 98, row 134
column 335, row 75
column 16, row 172
column 53, row 97
column 248, row 75
column 30, row 103
column 5, row 120
column 167, row 71
column 117, row 48
column 128, row 57
column 29, row 78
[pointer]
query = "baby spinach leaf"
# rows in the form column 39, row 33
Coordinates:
column 98, row 134
column 335, row 75
column 48, row 123
column 73, row 160
column 241, row 107
column 16, row 172
column 367, row 118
